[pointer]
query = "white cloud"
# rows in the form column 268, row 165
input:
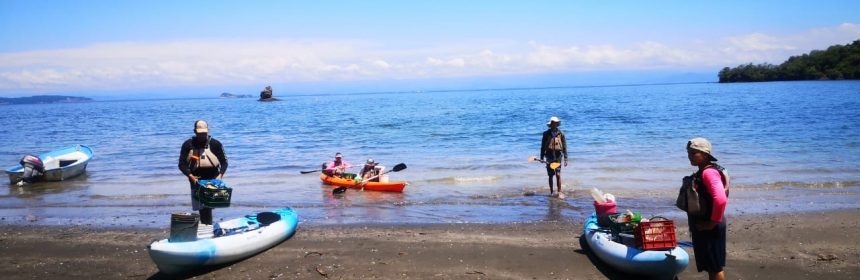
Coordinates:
column 381, row 64
column 140, row 65
column 758, row 42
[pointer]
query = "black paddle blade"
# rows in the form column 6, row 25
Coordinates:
column 338, row 190
column 399, row 167
column 309, row 171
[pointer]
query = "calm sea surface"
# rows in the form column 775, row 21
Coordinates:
column 790, row 146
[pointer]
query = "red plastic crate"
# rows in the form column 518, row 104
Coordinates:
column 655, row 235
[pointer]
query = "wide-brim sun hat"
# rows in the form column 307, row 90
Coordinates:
column 702, row 145
column 552, row 120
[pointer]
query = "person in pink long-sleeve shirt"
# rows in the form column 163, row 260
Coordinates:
column 709, row 229
column 337, row 167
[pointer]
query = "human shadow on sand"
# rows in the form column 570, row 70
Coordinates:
column 604, row 268
column 208, row 268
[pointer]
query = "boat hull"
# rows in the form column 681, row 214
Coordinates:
column 60, row 164
column 373, row 186
column 661, row 264
column 179, row 257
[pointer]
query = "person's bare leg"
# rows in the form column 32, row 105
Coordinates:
column 550, row 185
column 717, row 276
column 558, row 180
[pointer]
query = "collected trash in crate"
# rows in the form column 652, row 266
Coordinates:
column 604, row 205
column 213, row 193
column 656, row 234
column 623, row 222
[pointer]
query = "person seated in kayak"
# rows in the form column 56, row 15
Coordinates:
column 371, row 171
column 337, row 167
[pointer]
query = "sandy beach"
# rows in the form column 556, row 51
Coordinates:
column 805, row 246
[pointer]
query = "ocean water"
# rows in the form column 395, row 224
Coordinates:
column 789, row 146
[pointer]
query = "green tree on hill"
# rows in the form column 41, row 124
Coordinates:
column 838, row 62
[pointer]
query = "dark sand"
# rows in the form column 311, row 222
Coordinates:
column 805, row 246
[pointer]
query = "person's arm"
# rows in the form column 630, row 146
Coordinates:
column 564, row 146
column 183, row 158
column 329, row 167
column 543, row 143
column 714, row 184
column 184, row 165
column 218, row 149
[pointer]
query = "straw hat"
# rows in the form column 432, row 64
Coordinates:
column 702, row 145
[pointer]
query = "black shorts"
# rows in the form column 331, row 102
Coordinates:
column 709, row 247
column 553, row 156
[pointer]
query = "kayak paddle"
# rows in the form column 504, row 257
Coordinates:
column 552, row 165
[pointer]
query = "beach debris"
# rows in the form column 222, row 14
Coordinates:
column 597, row 195
column 31, row 218
column 321, row 272
column 475, row 272
column 313, row 253
column 827, row 257
column 528, row 193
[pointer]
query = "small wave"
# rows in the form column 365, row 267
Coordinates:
column 478, row 167
column 129, row 197
column 822, row 170
column 617, row 169
column 803, row 185
column 464, row 180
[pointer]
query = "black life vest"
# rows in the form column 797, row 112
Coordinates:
column 706, row 202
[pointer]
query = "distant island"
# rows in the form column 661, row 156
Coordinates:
column 230, row 95
column 43, row 99
column 838, row 62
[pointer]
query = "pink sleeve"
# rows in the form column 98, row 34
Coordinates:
column 329, row 166
column 714, row 183
column 346, row 165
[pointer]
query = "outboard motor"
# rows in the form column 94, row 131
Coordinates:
column 33, row 168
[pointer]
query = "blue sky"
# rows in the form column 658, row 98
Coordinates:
column 117, row 47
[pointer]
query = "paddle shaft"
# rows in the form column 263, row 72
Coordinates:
column 552, row 165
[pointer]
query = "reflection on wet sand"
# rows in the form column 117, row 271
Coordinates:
column 355, row 204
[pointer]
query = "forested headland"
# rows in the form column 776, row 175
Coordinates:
column 838, row 62
column 43, row 99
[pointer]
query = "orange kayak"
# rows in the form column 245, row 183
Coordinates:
column 373, row 186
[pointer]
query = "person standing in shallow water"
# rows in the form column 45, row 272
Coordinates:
column 553, row 149
column 709, row 228
column 202, row 157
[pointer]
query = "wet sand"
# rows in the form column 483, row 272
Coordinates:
column 820, row 245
